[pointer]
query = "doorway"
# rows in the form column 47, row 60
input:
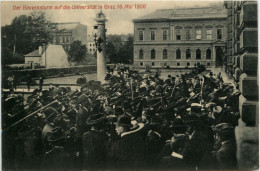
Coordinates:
column 219, row 56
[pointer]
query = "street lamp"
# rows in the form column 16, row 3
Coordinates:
column 97, row 39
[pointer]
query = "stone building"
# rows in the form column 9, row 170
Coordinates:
column 242, row 63
column 181, row 38
column 91, row 45
column 65, row 33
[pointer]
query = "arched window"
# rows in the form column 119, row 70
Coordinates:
column 208, row 54
column 153, row 54
column 141, row 54
column 198, row 54
column 188, row 54
column 165, row 54
column 178, row 54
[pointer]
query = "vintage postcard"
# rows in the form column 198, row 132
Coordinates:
column 129, row 85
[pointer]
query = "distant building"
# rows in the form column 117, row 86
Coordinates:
column 91, row 45
column 181, row 37
column 52, row 57
column 124, row 38
column 66, row 33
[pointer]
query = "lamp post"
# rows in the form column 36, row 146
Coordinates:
column 99, row 34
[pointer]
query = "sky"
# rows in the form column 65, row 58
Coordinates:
column 119, row 20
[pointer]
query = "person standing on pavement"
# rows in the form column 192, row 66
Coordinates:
column 29, row 82
column 41, row 82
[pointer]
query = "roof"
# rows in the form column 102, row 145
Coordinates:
column 68, row 26
column 35, row 53
column 187, row 13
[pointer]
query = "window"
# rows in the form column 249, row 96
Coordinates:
column 90, row 44
column 178, row 63
column 141, row 35
column 209, row 34
column 178, row 54
column 90, row 50
column 152, row 63
column 152, row 34
column 141, row 54
column 188, row 35
column 67, row 39
column 165, row 34
column 208, row 64
column 141, row 64
column 219, row 34
column 198, row 54
column 63, row 39
column 178, row 34
column 188, row 55
column 198, row 34
column 153, row 54
column 188, row 64
column 208, row 54
column 165, row 55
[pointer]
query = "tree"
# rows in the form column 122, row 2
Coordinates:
column 111, row 53
column 77, row 52
column 25, row 34
column 39, row 29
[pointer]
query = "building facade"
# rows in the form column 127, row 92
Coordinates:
column 242, row 65
column 181, row 38
column 91, row 45
column 65, row 33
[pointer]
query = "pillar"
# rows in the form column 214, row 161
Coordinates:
column 101, row 54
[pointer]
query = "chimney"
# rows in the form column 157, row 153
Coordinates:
column 40, row 50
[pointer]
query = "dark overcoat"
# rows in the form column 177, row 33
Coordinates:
column 129, row 152
column 94, row 149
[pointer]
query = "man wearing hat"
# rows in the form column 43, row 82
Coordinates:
column 82, row 114
column 226, row 155
column 128, row 152
column 50, row 114
column 94, row 143
column 199, row 147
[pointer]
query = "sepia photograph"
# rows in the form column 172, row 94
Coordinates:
column 129, row 85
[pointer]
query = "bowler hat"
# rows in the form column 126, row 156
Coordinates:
column 82, row 98
column 223, row 127
column 124, row 120
column 95, row 119
column 50, row 113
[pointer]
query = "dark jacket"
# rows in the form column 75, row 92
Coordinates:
column 94, row 149
column 226, row 156
column 197, row 147
column 129, row 152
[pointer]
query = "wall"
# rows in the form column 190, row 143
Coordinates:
column 242, row 64
column 34, row 59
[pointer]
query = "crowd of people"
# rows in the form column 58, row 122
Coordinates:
column 133, row 121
